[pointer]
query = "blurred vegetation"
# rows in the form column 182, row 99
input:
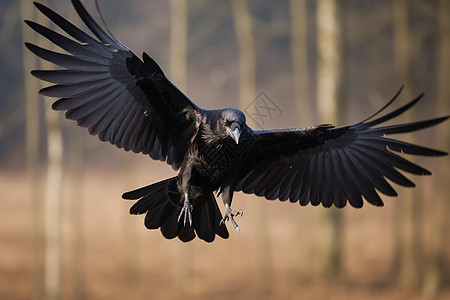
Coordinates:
column 226, row 55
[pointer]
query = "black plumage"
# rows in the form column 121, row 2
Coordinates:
column 130, row 103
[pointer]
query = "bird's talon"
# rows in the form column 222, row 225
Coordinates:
column 225, row 218
column 229, row 215
column 186, row 212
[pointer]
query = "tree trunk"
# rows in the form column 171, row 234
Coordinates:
column 299, row 54
column 76, row 159
column 246, row 45
column 178, row 42
column 407, row 215
column 247, row 93
column 53, row 197
column 130, row 238
column 178, row 74
column 434, row 275
column 329, row 106
column 53, row 206
column 32, row 148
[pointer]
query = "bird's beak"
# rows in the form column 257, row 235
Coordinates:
column 234, row 134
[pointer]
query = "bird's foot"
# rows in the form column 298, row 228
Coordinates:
column 229, row 215
column 186, row 211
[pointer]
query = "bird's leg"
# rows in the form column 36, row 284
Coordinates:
column 186, row 211
column 230, row 214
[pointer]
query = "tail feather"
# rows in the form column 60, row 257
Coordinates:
column 204, row 225
column 171, row 228
column 186, row 233
column 216, row 217
column 162, row 204
column 158, row 214
column 146, row 190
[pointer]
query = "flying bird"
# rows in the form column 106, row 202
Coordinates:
column 130, row 103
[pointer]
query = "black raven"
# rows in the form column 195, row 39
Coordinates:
column 130, row 103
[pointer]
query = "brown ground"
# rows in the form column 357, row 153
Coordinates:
column 123, row 260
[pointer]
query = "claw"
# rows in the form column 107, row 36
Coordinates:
column 186, row 211
column 229, row 215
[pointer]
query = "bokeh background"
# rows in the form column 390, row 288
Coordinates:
column 66, row 233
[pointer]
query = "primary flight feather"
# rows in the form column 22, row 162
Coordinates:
column 130, row 103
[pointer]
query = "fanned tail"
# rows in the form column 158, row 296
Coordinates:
column 161, row 203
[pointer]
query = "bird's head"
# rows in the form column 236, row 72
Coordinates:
column 233, row 121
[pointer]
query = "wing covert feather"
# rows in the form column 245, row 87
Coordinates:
column 333, row 165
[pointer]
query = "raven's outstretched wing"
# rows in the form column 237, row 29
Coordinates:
column 109, row 90
column 328, row 165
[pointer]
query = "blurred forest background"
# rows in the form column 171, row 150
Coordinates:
column 65, row 232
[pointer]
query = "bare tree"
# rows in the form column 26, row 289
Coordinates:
column 53, row 200
column 130, row 238
column 178, row 42
column 76, row 159
column 32, row 148
column 299, row 54
column 301, row 82
column 329, row 103
column 407, row 212
column 246, row 44
column 178, row 74
column 53, row 197
column 247, row 89
column 434, row 275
